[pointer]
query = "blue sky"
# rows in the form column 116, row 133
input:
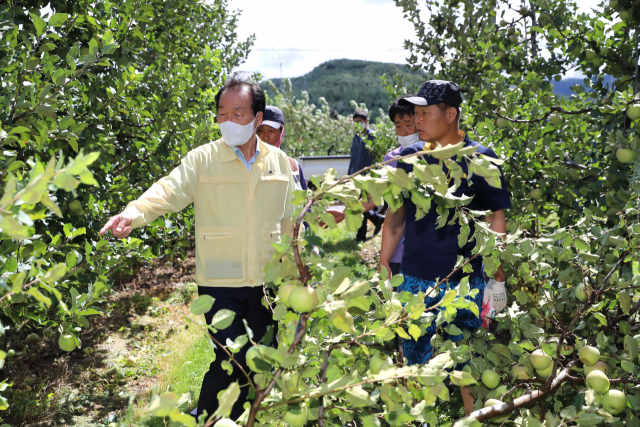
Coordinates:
column 301, row 34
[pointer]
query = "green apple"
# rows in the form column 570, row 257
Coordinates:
column 613, row 4
column 502, row 54
column 513, row 38
column 490, row 379
column 433, row 48
column 614, row 401
column 546, row 372
column 626, row 15
column 75, row 206
column 67, row 342
column 393, row 306
column 590, row 55
column 598, row 381
column 540, row 360
column 625, row 155
column 378, row 363
column 252, row 353
column 225, row 422
column 600, row 366
column 503, row 23
column 519, row 372
column 555, row 120
column 536, row 194
column 284, row 292
column 303, row 299
column 502, row 122
column 491, row 402
column 604, row 51
column 634, row 112
column 11, row 353
column 130, row 361
column 589, row 355
column 523, row 11
column 296, row 416
column 530, row 207
column 32, row 338
column 581, row 292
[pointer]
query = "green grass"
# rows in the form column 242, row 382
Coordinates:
column 340, row 246
column 181, row 368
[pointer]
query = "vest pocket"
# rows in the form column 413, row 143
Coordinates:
column 221, row 254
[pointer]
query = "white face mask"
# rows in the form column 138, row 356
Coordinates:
column 234, row 134
column 361, row 126
column 406, row 141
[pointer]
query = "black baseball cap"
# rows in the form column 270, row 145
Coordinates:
column 434, row 92
column 273, row 117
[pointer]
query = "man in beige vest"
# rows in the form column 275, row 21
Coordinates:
column 241, row 189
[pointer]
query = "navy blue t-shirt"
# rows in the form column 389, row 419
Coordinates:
column 431, row 253
column 360, row 155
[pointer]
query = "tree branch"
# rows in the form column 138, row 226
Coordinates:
column 507, row 408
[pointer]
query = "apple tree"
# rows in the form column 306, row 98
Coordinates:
column 98, row 100
column 572, row 167
column 565, row 351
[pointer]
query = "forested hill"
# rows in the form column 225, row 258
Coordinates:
column 342, row 80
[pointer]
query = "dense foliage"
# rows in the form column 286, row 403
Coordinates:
column 571, row 256
column 132, row 83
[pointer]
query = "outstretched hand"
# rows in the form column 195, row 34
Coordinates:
column 120, row 226
column 337, row 214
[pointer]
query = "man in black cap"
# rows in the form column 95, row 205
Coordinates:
column 431, row 252
column 360, row 159
column 272, row 132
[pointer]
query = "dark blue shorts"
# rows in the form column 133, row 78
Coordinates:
column 419, row 352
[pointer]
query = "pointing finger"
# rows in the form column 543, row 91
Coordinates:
column 107, row 226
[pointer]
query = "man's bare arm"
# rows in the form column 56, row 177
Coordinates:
column 391, row 235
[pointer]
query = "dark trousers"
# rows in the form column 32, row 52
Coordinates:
column 374, row 216
column 246, row 302
column 395, row 268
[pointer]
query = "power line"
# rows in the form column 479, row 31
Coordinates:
column 329, row 50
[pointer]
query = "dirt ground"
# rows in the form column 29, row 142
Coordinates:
column 89, row 386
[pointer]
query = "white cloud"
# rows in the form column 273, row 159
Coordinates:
column 301, row 34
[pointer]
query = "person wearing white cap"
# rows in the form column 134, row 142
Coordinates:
column 272, row 132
